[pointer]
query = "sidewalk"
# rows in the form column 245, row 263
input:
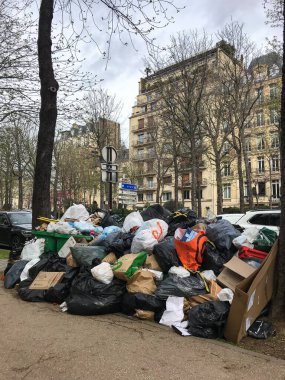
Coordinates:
column 41, row 342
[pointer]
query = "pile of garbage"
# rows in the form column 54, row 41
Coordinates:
column 202, row 279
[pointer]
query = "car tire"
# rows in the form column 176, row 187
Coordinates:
column 16, row 243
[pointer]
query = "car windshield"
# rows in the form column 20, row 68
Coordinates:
column 21, row 218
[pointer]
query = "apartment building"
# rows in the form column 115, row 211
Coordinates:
column 262, row 140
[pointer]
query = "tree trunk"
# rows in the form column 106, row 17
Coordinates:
column 240, row 180
column 194, row 182
column 279, row 299
column 219, row 186
column 20, row 192
column 176, row 174
column 248, row 181
column 48, row 115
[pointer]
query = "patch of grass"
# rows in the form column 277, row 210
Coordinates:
column 4, row 254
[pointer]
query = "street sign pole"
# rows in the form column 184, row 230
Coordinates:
column 109, row 155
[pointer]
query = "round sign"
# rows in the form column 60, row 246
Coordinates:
column 109, row 154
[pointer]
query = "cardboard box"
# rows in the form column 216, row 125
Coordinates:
column 65, row 249
column 71, row 262
column 251, row 296
column 214, row 289
column 234, row 272
column 46, row 280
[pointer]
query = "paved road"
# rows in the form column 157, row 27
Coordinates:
column 40, row 342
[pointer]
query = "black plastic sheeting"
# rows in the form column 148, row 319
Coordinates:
column 12, row 277
column 121, row 244
column 222, row 234
column 182, row 218
column 208, row 319
column 141, row 301
column 174, row 285
column 166, row 255
column 91, row 297
column 261, row 330
column 213, row 259
column 155, row 211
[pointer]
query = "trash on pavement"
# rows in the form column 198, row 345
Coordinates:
column 171, row 268
column 261, row 329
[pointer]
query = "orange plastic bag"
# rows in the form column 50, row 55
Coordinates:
column 190, row 252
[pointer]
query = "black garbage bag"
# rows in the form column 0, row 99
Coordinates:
column 59, row 292
column 50, row 262
column 208, row 319
column 12, row 277
column 213, row 259
column 91, row 297
column 141, row 301
column 261, row 329
column 155, row 211
column 30, row 295
column 222, row 234
column 166, row 255
column 121, row 244
column 174, row 285
column 110, row 220
column 85, row 254
column 182, row 218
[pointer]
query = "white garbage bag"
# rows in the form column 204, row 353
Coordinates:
column 143, row 241
column 157, row 227
column 76, row 212
column 134, row 219
column 103, row 273
column 33, row 249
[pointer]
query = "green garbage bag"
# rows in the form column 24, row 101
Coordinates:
column 265, row 239
column 85, row 254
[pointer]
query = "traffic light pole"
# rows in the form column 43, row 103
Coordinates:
column 110, row 196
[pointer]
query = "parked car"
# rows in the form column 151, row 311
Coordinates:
column 260, row 219
column 15, row 228
column 232, row 218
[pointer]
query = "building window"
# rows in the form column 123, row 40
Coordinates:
column 140, row 197
column 186, row 194
column 226, row 147
column 227, row 169
column 150, row 121
column 166, row 196
column 260, row 164
column 260, row 143
column 259, row 118
column 275, row 141
column 150, row 166
column 245, row 189
column 150, row 152
column 273, row 70
column 273, row 91
column 185, row 179
column 249, row 164
column 140, row 138
column 275, row 164
column 143, row 109
column 153, row 106
column 260, row 76
column 226, row 126
column 149, row 196
column 274, row 117
column 275, row 188
column 141, row 123
column 167, row 180
column 140, row 154
column 259, row 95
column 150, row 184
column 247, row 144
column 227, row 190
column 261, row 189
column 149, row 98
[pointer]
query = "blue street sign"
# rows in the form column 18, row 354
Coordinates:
column 129, row 186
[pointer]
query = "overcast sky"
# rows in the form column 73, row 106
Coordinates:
column 126, row 65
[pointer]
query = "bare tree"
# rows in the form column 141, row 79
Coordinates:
column 132, row 16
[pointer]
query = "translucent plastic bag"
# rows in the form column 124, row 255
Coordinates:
column 157, row 227
column 33, row 249
column 143, row 241
column 76, row 212
column 134, row 219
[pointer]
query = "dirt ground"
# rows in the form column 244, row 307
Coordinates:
column 274, row 346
